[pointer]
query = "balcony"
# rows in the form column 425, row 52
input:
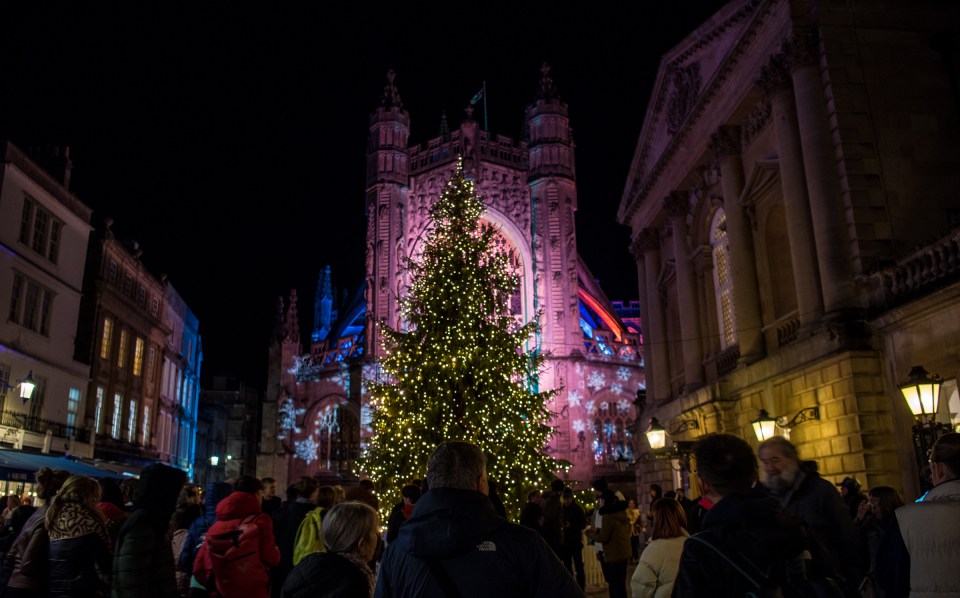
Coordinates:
column 24, row 430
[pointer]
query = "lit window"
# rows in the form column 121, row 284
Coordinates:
column 146, row 426
column 117, row 405
column 723, row 279
column 99, row 415
column 107, row 339
column 73, row 405
column 121, row 356
column 138, row 357
column 132, row 422
column 30, row 305
column 40, row 230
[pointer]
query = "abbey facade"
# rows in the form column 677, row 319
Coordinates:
column 317, row 417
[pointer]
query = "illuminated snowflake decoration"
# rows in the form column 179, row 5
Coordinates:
column 624, row 406
column 579, row 425
column 596, row 380
column 616, row 388
column 306, row 368
column 288, row 418
column 589, row 406
column 623, row 374
column 574, row 398
column 306, row 449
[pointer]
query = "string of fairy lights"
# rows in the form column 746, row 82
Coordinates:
column 458, row 367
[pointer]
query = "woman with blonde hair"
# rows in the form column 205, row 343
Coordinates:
column 79, row 557
column 657, row 570
column 350, row 532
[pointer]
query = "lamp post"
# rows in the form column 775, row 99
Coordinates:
column 680, row 450
column 766, row 427
column 26, row 386
column 921, row 391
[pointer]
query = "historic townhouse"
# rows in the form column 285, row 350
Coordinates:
column 793, row 205
column 143, row 344
column 43, row 244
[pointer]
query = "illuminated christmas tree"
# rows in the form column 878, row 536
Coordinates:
column 461, row 367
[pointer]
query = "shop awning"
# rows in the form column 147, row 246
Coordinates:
column 21, row 467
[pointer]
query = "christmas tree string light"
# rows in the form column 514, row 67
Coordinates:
column 460, row 366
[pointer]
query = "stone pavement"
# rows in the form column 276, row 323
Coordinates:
column 595, row 590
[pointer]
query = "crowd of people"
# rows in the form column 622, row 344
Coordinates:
column 766, row 524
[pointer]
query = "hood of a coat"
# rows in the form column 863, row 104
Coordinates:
column 237, row 506
column 158, row 489
column 447, row 523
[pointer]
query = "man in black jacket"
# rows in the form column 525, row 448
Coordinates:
column 744, row 524
column 574, row 520
column 814, row 500
column 456, row 544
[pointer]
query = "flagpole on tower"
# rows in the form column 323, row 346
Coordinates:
column 482, row 95
column 486, row 126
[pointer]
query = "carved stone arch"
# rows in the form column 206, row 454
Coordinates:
column 518, row 242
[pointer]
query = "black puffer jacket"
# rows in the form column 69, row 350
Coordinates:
column 751, row 524
column 482, row 554
column 79, row 549
column 326, row 574
column 143, row 566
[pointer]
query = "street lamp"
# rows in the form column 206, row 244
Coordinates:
column 766, row 427
column 921, row 391
column 26, row 386
column 680, row 450
column 214, row 460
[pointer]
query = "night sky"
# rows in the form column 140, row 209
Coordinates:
column 230, row 142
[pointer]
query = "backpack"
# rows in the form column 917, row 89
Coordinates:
column 233, row 553
column 796, row 580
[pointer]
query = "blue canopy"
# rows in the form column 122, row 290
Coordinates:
column 21, row 467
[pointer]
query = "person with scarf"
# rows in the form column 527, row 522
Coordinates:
column 80, row 547
column 350, row 531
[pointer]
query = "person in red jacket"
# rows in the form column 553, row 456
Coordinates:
column 239, row 549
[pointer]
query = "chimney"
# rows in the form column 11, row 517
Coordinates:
column 55, row 159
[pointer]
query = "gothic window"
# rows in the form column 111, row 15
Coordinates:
column 722, row 279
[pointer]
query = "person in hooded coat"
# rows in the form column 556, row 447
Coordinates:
column 456, row 543
column 143, row 565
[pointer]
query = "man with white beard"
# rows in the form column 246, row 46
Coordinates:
column 807, row 496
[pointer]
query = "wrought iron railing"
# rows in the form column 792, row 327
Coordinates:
column 38, row 425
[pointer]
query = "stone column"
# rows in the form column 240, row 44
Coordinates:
column 725, row 144
column 636, row 248
column 655, row 343
column 830, row 227
column 775, row 80
column 677, row 205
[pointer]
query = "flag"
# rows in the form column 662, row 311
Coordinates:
column 477, row 97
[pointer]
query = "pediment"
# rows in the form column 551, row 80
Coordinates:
column 687, row 76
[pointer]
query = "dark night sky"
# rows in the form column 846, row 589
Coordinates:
column 229, row 142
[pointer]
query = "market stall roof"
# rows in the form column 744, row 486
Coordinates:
column 21, row 466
